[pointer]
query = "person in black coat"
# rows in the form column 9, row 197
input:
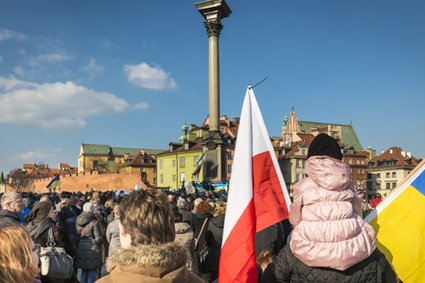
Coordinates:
column 373, row 269
column 67, row 219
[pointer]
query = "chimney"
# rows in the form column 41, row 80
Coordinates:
column 403, row 153
column 409, row 154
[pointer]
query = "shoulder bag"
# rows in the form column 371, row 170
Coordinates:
column 55, row 262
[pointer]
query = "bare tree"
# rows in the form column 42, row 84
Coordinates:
column 19, row 180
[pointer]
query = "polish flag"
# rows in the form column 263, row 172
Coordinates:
column 258, row 196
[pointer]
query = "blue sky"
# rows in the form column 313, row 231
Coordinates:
column 129, row 73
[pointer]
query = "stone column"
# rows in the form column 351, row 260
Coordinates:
column 215, row 164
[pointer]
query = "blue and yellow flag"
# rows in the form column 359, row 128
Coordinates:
column 399, row 222
column 54, row 183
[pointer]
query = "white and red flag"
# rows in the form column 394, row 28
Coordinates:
column 258, row 196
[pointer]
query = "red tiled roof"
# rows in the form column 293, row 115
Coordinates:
column 395, row 154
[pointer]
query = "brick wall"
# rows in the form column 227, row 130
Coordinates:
column 95, row 181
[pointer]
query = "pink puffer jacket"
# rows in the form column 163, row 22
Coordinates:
column 328, row 229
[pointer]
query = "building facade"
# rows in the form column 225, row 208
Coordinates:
column 388, row 170
column 297, row 137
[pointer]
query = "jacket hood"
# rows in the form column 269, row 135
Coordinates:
column 84, row 218
column 218, row 221
column 158, row 259
column 182, row 227
column 38, row 227
column 329, row 173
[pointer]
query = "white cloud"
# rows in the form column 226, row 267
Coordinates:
column 37, row 155
column 149, row 77
column 142, row 106
column 50, row 156
column 19, row 71
column 105, row 43
column 6, row 34
column 53, row 57
column 53, row 105
column 93, row 68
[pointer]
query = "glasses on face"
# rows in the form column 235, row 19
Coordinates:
column 19, row 200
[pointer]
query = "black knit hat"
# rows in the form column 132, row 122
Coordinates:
column 323, row 144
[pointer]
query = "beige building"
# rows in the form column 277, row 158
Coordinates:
column 297, row 137
column 388, row 170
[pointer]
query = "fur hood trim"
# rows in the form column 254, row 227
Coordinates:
column 168, row 256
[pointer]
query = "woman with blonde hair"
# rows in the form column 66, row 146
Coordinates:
column 18, row 256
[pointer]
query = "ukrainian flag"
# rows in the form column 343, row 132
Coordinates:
column 54, row 183
column 399, row 222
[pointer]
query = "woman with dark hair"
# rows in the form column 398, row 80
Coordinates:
column 41, row 218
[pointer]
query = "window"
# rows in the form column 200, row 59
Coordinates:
column 387, row 186
column 394, row 174
column 173, row 163
column 181, row 161
column 154, row 170
column 350, row 161
column 174, row 178
column 154, row 180
column 387, row 175
column 182, row 177
column 161, row 164
column 358, row 161
column 229, row 168
column 142, row 169
column 378, row 175
column 161, row 178
column 394, row 185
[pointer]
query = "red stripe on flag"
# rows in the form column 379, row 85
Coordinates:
column 237, row 258
column 270, row 204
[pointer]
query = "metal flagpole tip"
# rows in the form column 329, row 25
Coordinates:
column 249, row 86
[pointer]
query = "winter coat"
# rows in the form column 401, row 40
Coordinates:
column 216, row 226
column 186, row 214
column 149, row 264
column 8, row 218
column 67, row 220
column 373, row 269
column 88, row 252
column 197, row 222
column 184, row 235
column 113, row 236
column 39, row 231
column 214, row 237
column 329, row 231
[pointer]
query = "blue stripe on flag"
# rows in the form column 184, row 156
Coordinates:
column 419, row 183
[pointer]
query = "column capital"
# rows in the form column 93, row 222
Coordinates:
column 213, row 28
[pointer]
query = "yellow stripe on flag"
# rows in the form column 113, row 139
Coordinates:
column 397, row 228
column 399, row 222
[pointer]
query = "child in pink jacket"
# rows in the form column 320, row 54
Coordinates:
column 326, row 212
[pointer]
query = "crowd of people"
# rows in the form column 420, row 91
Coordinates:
column 162, row 236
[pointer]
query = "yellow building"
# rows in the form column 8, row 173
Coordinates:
column 106, row 159
column 176, row 165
